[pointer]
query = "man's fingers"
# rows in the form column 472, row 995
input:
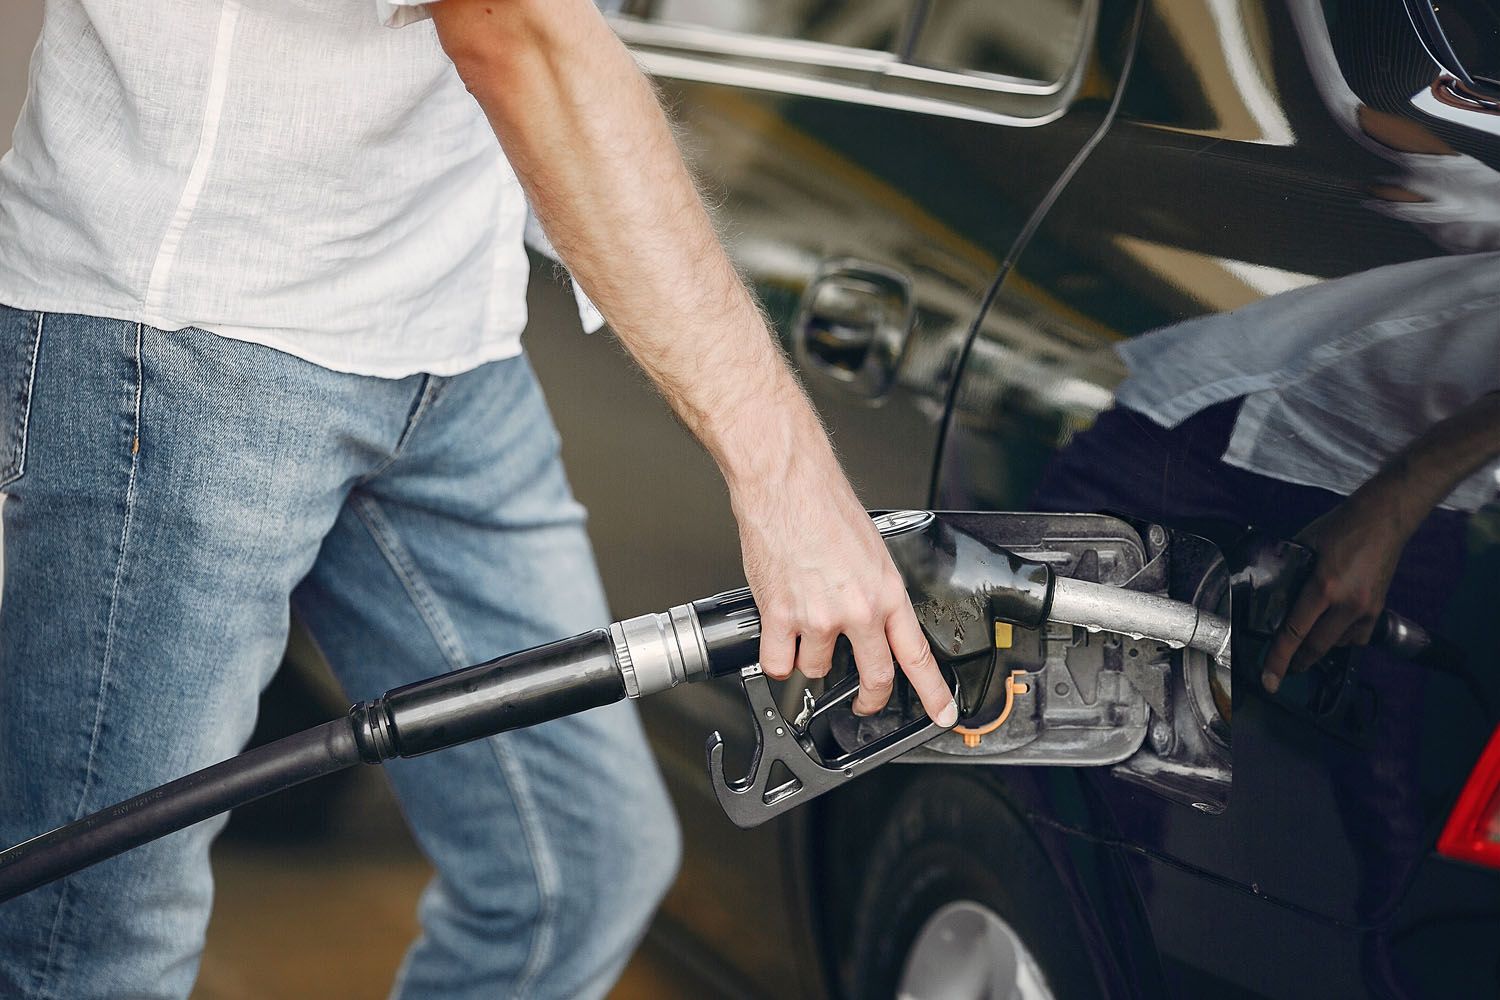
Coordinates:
column 1326, row 634
column 877, row 670
column 778, row 648
column 1289, row 638
column 1362, row 631
column 911, row 651
column 815, row 653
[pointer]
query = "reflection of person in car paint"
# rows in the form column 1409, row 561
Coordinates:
column 1454, row 199
column 1375, row 388
column 1361, row 416
column 1450, row 196
column 1379, row 387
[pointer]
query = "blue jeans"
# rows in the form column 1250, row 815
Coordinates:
column 169, row 495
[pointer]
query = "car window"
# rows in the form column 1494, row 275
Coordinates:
column 1029, row 39
column 876, row 25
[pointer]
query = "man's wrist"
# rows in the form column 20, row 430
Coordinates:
column 773, row 439
column 1396, row 496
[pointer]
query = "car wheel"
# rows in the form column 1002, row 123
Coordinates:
column 959, row 902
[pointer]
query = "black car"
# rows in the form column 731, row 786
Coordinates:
column 1140, row 287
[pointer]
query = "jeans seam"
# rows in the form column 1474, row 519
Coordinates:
column 109, row 642
column 36, row 352
column 424, row 402
column 543, row 866
column 412, row 581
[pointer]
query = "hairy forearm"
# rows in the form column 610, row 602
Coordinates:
column 588, row 141
column 591, row 146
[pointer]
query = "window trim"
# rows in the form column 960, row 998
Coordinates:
column 836, row 72
column 976, row 80
column 717, row 41
column 679, row 67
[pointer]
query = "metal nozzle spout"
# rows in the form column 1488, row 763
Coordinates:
column 1147, row 616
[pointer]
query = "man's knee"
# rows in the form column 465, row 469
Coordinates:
column 613, row 870
column 648, row 845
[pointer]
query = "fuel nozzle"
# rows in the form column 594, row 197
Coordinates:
column 714, row 637
column 961, row 588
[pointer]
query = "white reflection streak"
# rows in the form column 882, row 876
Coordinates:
column 1259, row 101
column 1267, row 280
column 1423, row 101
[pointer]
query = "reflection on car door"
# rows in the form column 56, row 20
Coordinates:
column 1273, row 226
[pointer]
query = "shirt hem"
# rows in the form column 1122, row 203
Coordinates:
column 498, row 350
column 393, row 369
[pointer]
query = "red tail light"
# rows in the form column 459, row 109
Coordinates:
column 1473, row 830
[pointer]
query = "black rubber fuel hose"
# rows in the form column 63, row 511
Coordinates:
column 518, row 690
column 522, row 689
column 198, row 796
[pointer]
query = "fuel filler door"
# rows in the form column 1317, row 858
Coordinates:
column 1072, row 695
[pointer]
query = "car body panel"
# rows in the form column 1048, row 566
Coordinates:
column 798, row 181
column 1228, row 178
column 1228, row 206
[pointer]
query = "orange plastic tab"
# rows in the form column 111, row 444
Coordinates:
column 1013, row 687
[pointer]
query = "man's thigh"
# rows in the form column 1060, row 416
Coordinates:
column 553, row 843
column 174, row 488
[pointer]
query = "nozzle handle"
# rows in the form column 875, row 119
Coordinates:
column 522, row 689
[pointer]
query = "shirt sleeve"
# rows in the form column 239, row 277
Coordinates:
column 399, row 13
column 536, row 238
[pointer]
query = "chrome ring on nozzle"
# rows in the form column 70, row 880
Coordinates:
column 659, row 651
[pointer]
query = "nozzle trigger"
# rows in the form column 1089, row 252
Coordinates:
column 750, row 800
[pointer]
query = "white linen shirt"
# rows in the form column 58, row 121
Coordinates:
column 287, row 172
column 1337, row 377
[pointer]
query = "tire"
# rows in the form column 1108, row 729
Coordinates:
column 959, row 902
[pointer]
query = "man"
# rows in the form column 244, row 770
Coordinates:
column 263, row 282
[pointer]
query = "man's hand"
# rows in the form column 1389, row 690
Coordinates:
column 818, row 570
column 1360, row 541
column 1358, row 545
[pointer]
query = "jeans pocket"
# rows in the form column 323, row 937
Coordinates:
column 20, row 339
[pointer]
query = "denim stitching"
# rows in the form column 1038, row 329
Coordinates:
column 543, row 864
column 109, row 642
column 36, row 350
column 412, row 581
column 424, row 402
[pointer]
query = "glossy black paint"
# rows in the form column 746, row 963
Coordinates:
column 1235, row 170
column 1304, row 879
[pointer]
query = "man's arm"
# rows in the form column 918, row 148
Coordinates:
column 585, row 135
column 1360, row 541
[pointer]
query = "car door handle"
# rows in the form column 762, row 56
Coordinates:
column 852, row 325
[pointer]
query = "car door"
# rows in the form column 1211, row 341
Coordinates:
column 873, row 163
column 870, row 166
column 1264, row 160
